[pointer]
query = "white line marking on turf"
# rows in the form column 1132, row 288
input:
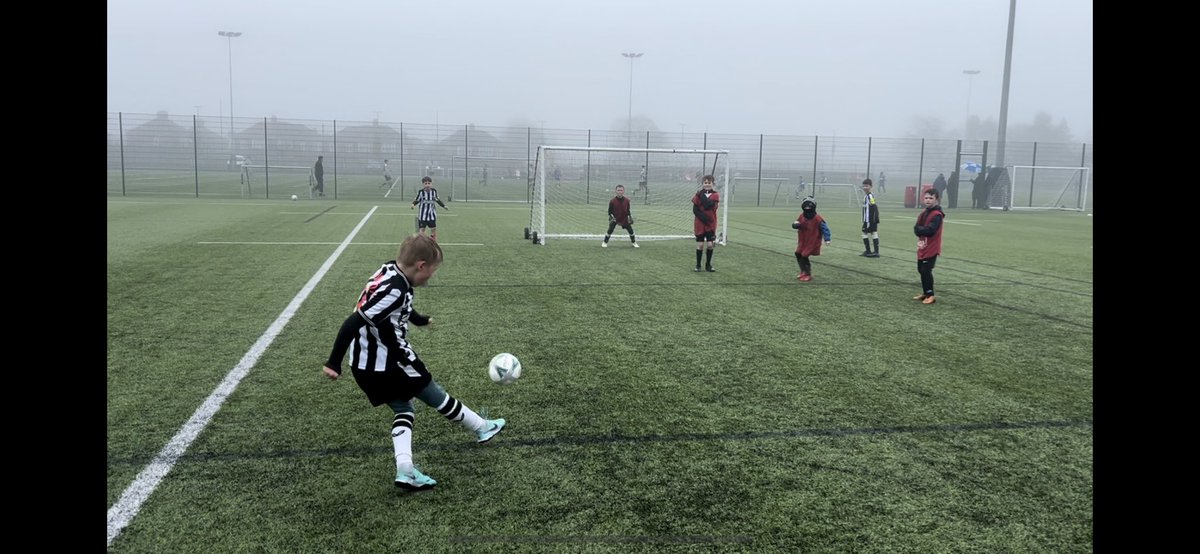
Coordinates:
column 945, row 221
column 127, row 507
column 351, row 244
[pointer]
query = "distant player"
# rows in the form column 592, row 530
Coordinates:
column 704, row 207
column 246, row 173
column 643, row 187
column 387, row 175
column 319, row 173
column 427, row 216
column 870, row 220
column 619, row 214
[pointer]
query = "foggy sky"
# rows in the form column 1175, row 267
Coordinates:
column 791, row 67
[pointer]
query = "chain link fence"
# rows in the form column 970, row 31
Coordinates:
column 203, row 156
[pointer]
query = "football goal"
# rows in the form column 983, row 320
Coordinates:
column 1036, row 187
column 660, row 202
column 285, row 179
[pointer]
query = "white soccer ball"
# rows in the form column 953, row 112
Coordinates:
column 294, row 197
column 504, row 368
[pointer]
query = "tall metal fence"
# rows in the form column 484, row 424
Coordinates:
column 206, row 156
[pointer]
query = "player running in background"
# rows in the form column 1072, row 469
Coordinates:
column 387, row 175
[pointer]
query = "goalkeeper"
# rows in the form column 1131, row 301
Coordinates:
column 704, row 207
column 619, row 214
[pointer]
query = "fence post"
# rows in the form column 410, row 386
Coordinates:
column 758, row 195
column 195, row 156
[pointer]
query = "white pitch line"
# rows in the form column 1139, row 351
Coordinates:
column 945, row 221
column 127, row 507
column 352, row 243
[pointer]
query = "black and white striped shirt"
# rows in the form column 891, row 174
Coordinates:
column 379, row 339
column 426, row 199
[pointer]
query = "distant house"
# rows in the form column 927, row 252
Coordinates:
column 471, row 142
column 278, row 142
column 164, row 142
column 362, row 148
column 470, row 149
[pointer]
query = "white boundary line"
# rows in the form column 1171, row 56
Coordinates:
column 354, row 243
column 943, row 221
column 127, row 507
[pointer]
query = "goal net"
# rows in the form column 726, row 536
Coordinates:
column 573, row 185
column 1033, row 187
column 283, row 180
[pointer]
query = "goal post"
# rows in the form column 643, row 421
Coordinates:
column 291, row 179
column 1039, row 187
column 572, row 186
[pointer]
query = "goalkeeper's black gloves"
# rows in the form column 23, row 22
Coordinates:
column 795, row 224
column 612, row 218
column 704, row 219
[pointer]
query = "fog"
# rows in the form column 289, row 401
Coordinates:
column 789, row 67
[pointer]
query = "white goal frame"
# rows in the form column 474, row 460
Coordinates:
column 248, row 173
column 538, row 231
column 1019, row 177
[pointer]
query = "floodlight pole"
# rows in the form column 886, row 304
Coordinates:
column 970, row 73
column 1012, row 15
column 229, row 36
column 629, row 120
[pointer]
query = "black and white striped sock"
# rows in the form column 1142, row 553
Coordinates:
column 454, row 410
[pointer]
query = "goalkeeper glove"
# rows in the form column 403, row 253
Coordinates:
column 629, row 220
column 612, row 218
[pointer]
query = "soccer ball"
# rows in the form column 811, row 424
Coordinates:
column 294, row 197
column 504, row 369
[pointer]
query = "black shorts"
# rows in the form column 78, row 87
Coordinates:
column 707, row 236
column 874, row 228
column 394, row 384
column 430, row 223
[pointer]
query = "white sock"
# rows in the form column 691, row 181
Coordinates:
column 402, row 441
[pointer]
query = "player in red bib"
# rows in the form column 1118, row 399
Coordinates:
column 704, row 207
